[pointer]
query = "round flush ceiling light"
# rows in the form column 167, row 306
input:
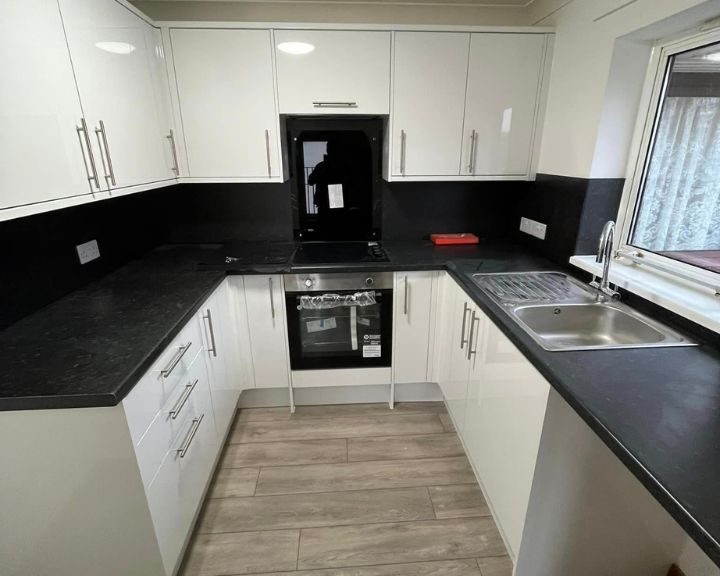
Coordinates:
column 295, row 47
column 116, row 47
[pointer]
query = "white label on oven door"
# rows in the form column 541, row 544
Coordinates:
column 335, row 196
column 364, row 321
column 320, row 325
column 372, row 351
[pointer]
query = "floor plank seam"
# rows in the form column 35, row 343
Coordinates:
column 347, row 462
column 362, row 489
column 474, row 559
column 294, row 439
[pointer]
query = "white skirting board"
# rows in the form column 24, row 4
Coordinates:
column 416, row 392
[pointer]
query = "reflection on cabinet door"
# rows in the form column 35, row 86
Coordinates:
column 227, row 101
column 430, row 71
column 41, row 156
column 113, row 52
column 347, row 72
column 502, row 94
column 412, row 308
column 267, row 322
column 455, row 389
column 506, row 406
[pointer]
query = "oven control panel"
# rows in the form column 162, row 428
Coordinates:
column 338, row 281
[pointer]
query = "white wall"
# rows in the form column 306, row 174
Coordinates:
column 592, row 105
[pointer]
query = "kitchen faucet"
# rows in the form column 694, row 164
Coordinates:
column 604, row 256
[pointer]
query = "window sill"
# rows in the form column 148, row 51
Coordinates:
column 677, row 295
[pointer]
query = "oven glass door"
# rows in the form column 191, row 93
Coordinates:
column 339, row 329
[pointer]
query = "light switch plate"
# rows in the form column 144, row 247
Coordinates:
column 534, row 228
column 88, row 251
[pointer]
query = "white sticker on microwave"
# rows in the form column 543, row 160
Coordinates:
column 372, row 351
column 335, row 196
column 320, row 325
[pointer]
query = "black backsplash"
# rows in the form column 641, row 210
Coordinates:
column 40, row 264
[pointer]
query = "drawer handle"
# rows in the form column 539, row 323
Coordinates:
column 335, row 104
column 175, row 412
column 174, row 362
column 189, row 438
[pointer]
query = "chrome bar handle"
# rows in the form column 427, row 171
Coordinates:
column 191, row 434
column 272, row 297
column 335, row 104
column 208, row 316
column 173, row 149
column 472, row 352
column 403, row 139
column 174, row 362
column 175, row 411
column 407, row 289
column 98, row 135
column 473, row 137
column 92, row 174
column 107, row 152
column 463, row 341
column 267, row 152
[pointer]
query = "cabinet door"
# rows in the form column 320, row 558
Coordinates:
column 227, row 101
column 267, row 321
column 41, row 157
column 505, row 410
column 502, row 95
column 222, row 352
column 455, row 387
column 347, row 72
column 430, row 71
column 412, row 308
column 113, row 53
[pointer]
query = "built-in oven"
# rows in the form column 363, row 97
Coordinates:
column 339, row 320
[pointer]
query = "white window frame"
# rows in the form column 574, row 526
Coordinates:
column 651, row 101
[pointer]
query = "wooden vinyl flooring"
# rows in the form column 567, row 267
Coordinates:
column 352, row 490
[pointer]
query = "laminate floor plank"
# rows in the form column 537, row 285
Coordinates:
column 285, row 453
column 458, row 501
column 447, row 422
column 371, row 544
column 401, row 447
column 441, row 568
column 499, row 566
column 315, row 510
column 364, row 476
column 234, row 483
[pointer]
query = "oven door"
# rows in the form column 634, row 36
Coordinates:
column 339, row 329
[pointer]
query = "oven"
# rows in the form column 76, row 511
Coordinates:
column 339, row 320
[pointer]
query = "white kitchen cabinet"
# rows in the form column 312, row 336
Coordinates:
column 413, row 293
column 226, row 95
column 41, row 151
column 503, row 88
column 222, row 353
column 266, row 318
column 505, row 409
column 429, row 72
column 115, row 56
column 347, row 72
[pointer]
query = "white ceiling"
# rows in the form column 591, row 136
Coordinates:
column 475, row 3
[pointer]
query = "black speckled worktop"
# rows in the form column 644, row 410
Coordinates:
column 657, row 409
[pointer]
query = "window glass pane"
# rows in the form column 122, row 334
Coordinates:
column 678, row 213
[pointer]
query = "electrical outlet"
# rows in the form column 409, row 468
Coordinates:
column 88, row 251
column 537, row 229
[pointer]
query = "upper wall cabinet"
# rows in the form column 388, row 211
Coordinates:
column 114, row 54
column 41, row 155
column 333, row 72
column 430, row 71
column 227, row 102
column 501, row 102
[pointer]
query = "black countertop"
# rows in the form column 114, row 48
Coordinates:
column 657, row 409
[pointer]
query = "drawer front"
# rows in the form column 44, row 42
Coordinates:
column 176, row 491
column 155, row 388
column 190, row 398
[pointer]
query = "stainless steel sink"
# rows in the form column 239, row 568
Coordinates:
column 560, row 313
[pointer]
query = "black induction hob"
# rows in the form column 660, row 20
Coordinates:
column 339, row 253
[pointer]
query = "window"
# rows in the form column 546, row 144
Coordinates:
column 673, row 213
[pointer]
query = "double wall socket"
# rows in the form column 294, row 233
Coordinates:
column 537, row 229
column 88, row 251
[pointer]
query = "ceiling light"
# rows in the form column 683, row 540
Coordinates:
column 295, row 47
column 116, row 47
column 714, row 57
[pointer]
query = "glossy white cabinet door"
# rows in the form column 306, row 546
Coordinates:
column 40, row 154
column 502, row 95
column 113, row 53
column 455, row 387
column 266, row 319
column 348, row 72
column 412, row 308
column 227, row 101
column 506, row 406
column 429, row 71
